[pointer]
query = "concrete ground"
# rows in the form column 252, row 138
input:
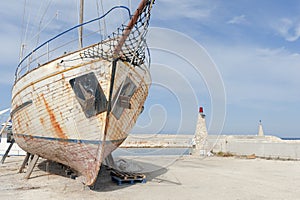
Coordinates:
column 168, row 177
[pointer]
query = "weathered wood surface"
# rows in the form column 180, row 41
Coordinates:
column 31, row 166
column 7, row 151
column 53, row 126
column 25, row 161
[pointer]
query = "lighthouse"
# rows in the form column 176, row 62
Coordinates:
column 260, row 129
column 200, row 138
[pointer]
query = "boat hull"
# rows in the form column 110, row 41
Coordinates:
column 77, row 111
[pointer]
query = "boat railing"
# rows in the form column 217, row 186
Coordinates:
column 57, row 45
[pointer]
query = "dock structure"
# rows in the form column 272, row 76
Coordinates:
column 157, row 141
column 200, row 139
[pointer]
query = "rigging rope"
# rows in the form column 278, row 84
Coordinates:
column 104, row 22
column 40, row 24
column 98, row 15
column 127, row 43
column 133, row 49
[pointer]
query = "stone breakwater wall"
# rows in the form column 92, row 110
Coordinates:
column 261, row 146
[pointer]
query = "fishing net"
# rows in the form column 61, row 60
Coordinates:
column 132, row 50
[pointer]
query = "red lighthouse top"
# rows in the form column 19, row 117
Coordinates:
column 200, row 109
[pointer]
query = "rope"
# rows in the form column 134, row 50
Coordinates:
column 98, row 15
column 104, row 22
column 41, row 21
column 59, row 35
column 133, row 49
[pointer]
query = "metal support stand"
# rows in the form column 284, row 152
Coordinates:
column 7, row 151
column 31, row 166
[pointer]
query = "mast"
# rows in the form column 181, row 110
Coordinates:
column 129, row 27
column 80, row 29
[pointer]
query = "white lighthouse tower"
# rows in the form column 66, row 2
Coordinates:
column 260, row 129
column 200, row 138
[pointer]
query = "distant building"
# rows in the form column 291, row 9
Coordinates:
column 260, row 129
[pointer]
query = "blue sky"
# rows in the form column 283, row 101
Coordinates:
column 254, row 46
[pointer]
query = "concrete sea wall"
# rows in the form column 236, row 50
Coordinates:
column 261, row 146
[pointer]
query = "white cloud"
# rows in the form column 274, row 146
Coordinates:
column 257, row 74
column 241, row 19
column 172, row 10
column 191, row 67
column 261, row 83
column 288, row 29
column 251, row 74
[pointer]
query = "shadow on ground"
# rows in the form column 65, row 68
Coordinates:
column 51, row 167
column 104, row 182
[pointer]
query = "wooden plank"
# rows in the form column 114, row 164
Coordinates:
column 120, row 181
column 31, row 166
column 127, row 175
column 7, row 151
column 3, row 127
column 25, row 161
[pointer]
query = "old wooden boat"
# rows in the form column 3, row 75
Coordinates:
column 77, row 108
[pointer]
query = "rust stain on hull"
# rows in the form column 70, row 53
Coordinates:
column 19, row 123
column 50, row 109
column 42, row 121
column 58, row 130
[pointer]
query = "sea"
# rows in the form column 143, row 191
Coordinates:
column 290, row 138
column 150, row 151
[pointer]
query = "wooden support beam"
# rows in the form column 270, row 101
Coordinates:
column 3, row 127
column 31, row 166
column 7, row 151
column 25, row 161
